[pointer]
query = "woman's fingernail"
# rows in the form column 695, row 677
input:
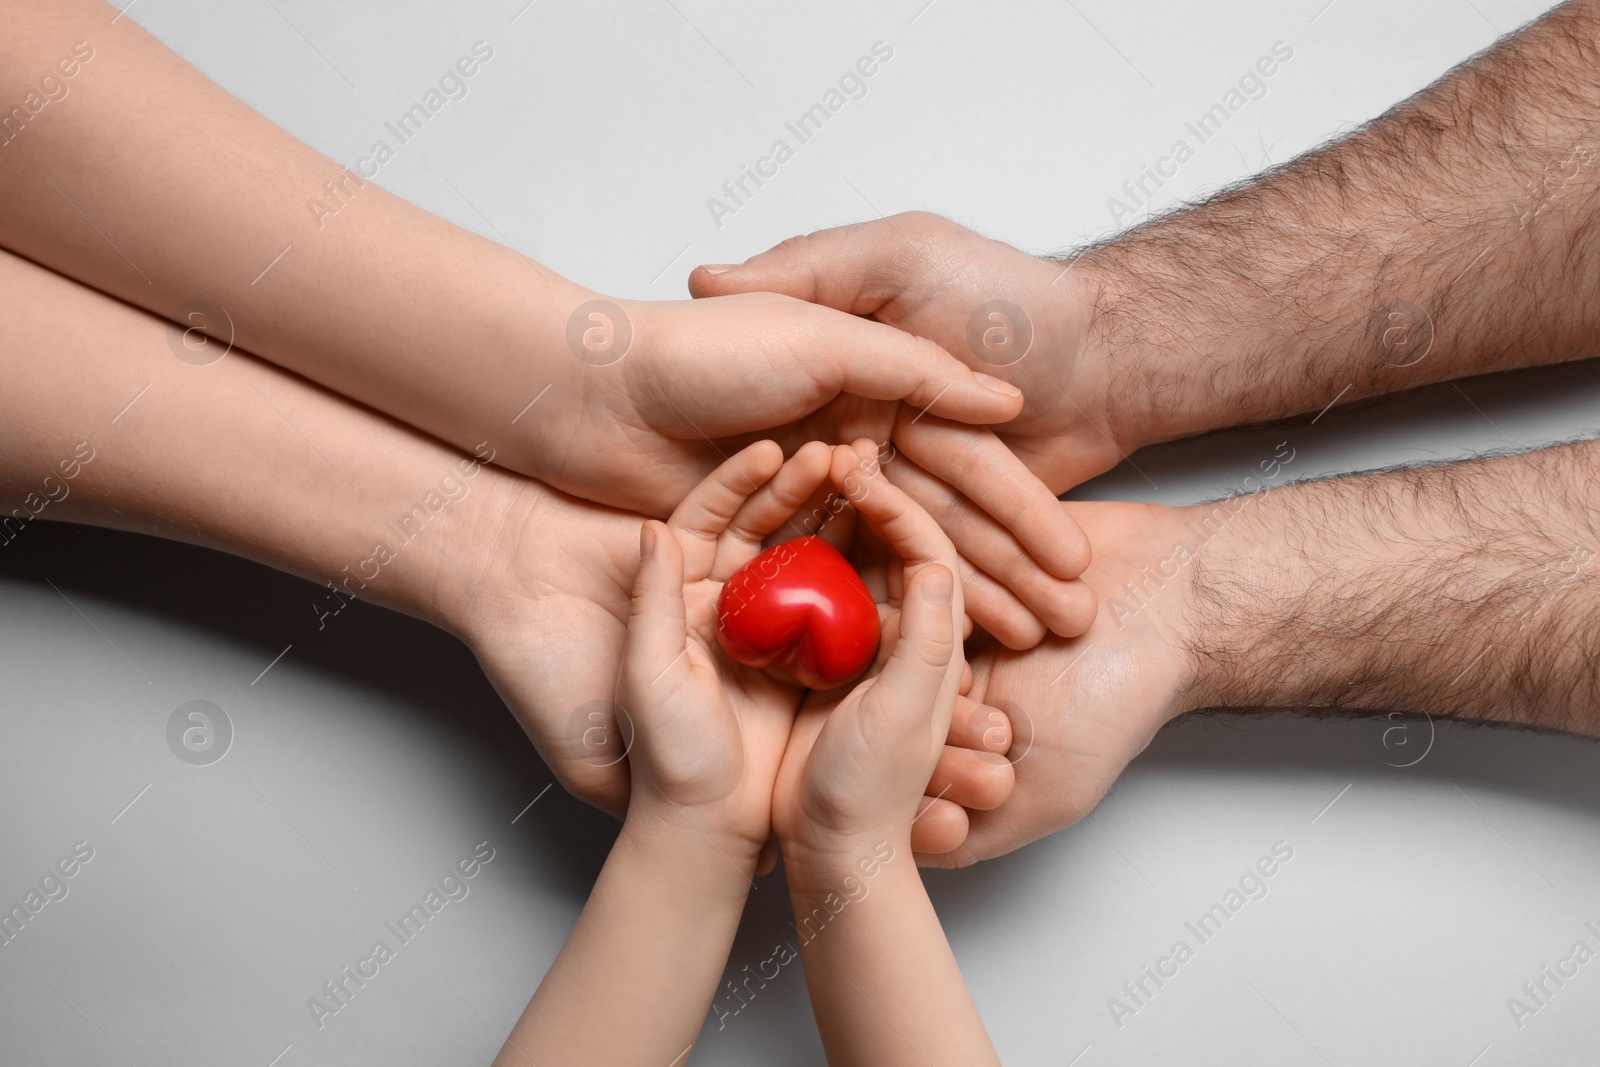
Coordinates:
column 937, row 587
column 993, row 384
column 717, row 268
column 647, row 541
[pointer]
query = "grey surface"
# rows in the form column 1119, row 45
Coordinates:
column 373, row 754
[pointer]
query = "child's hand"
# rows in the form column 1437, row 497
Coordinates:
column 706, row 734
column 858, row 762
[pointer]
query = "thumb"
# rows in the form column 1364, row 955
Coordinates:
column 857, row 269
column 916, row 692
column 657, row 632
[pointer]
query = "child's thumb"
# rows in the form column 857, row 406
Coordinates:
column 913, row 683
column 657, row 631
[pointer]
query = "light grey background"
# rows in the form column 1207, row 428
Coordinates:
column 373, row 754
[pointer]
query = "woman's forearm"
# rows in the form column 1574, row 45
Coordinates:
column 106, row 425
column 148, row 181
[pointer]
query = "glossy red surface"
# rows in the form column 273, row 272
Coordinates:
column 801, row 607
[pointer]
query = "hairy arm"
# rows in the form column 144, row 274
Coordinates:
column 1457, row 234
column 1467, row 591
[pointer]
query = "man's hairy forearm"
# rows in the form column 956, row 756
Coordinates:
column 1469, row 590
column 1457, row 234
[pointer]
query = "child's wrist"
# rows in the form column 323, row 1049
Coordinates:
column 687, row 838
column 820, row 866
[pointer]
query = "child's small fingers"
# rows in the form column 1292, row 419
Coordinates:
column 701, row 517
column 977, row 781
column 774, row 505
column 940, row 826
column 657, row 630
column 912, row 687
column 979, row 727
column 899, row 521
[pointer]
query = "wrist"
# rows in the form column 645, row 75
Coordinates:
column 1245, row 569
column 688, row 837
column 843, row 864
column 1140, row 407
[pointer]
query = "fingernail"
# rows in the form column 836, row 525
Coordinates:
column 993, row 384
column 647, row 541
column 717, row 268
column 937, row 587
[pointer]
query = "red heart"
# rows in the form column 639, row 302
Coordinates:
column 802, row 607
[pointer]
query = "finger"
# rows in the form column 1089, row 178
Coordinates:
column 869, row 359
column 919, row 681
column 774, row 507
column 858, row 268
column 657, row 630
column 975, row 780
column 940, row 826
column 1065, row 607
column 979, row 727
column 701, row 517
column 978, row 464
column 898, row 521
column 997, row 609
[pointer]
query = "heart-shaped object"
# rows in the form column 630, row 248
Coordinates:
column 800, row 606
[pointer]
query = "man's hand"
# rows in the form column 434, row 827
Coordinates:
column 1005, row 313
column 1454, row 235
column 1081, row 709
column 1462, row 591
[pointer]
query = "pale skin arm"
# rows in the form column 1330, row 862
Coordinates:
column 1457, row 234
column 204, row 212
column 884, row 984
column 105, row 425
column 632, row 982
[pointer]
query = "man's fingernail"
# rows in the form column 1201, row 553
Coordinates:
column 647, row 541
column 717, row 268
column 937, row 587
column 990, row 382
